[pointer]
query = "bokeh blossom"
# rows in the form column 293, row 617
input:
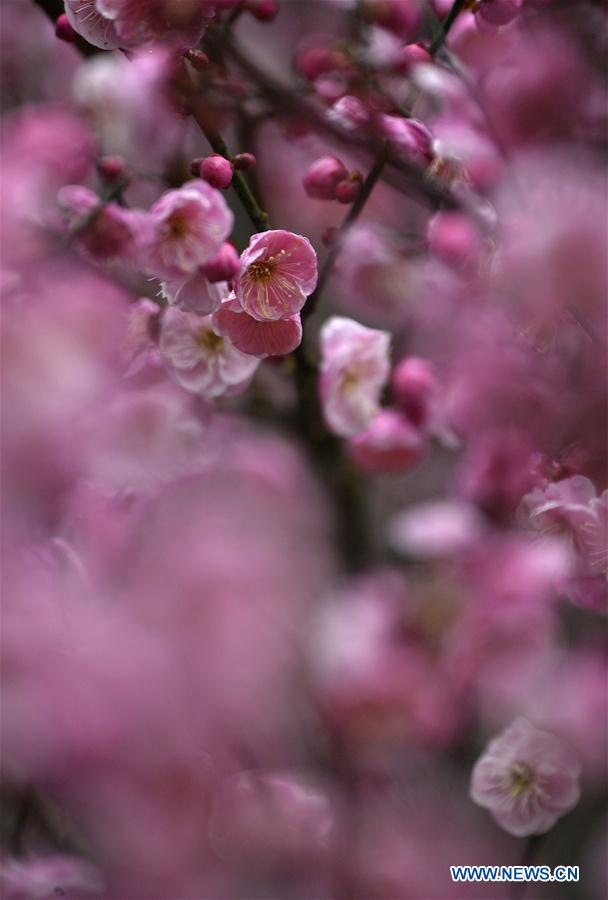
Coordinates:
column 202, row 359
column 354, row 368
column 527, row 778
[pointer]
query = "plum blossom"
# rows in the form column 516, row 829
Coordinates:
column 527, row 778
column 279, row 271
column 202, row 360
column 88, row 21
column 572, row 505
column 260, row 817
column 261, row 339
column 354, row 368
column 194, row 293
column 190, row 225
column 131, row 23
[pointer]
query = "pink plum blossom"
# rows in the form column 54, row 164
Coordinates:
column 279, row 271
column 190, row 225
column 261, row 819
column 89, row 22
column 355, row 366
column 527, row 778
column 270, row 338
column 194, row 293
column 571, row 508
column 201, row 359
column 130, row 23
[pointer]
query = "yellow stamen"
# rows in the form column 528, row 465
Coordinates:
column 522, row 776
column 209, row 341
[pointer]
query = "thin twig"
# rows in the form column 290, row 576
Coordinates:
column 446, row 25
column 399, row 172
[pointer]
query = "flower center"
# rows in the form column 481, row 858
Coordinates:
column 261, row 271
column 522, row 777
column 350, row 380
column 209, row 341
column 177, row 226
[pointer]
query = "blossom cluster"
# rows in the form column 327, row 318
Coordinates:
column 304, row 488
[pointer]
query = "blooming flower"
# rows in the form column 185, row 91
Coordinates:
column 279, row 271
column 527, row 778
column 355, row 366
column 190, row 225
column 88, row 21
column 194, row 293
column 203, row 361
column 130, row 23
column 257, row 338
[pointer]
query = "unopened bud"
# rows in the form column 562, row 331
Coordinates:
column 244, row 161
column 216, row 170
column 64, row 30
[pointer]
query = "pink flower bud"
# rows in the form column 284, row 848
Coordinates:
column 498, row 12
column 454, row 238
column 347, row 190
column 313, row 62
column 195, row 166
column 391, row 443
column 415, row 388
column 224, row 266
column 329, row 235
column 263, row 10
column 244, row 161
column 217, row 171
column 112, row 168
column 64, row 30
column 198, row 60
column 411, row 55
column 323, row 177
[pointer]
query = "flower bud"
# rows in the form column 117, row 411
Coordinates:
column 195, row 166
column 323, row 177
column 411, row 55
column 64, row 30
column 497, row 12
column 348, row 190
column 216, row 170
column 313, row 62
column 224, row 266
column 112, row 168
column 415, row 388
column 454, row 238
column 263, row 10
column 198, row 60
column 329, row 235
column 244, row 161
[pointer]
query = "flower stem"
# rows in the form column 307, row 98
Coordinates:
column 446, row 25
